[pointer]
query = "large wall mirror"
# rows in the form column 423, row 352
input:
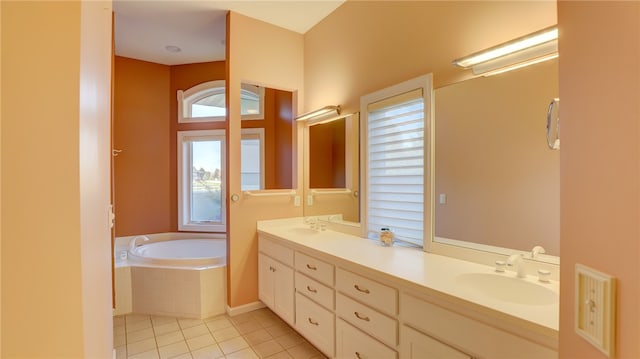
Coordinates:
column 332, row 166
column 497, row 183
column 267, row 138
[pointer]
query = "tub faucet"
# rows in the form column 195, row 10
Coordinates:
column 134, row 242
column 515, row 260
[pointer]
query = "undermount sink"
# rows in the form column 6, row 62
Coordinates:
column 508, row 289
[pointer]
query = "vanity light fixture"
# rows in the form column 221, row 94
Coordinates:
column 324, row 114
column 524, row 51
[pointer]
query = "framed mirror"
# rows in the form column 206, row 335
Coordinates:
column 267, row 138
column 331, row 168
column 497, row 183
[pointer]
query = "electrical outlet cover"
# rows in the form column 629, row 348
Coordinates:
column 595, row 308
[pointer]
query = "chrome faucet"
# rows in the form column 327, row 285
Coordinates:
column 515, row 260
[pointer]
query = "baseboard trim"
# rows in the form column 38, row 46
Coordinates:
column 245, row 308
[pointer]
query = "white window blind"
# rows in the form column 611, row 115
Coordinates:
column 396, row 160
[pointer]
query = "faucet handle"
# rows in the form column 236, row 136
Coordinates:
column 537, row 250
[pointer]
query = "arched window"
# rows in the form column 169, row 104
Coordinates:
column 205, row 102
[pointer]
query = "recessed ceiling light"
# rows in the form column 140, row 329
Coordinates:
column 172, row 48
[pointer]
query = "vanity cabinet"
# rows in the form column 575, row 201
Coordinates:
column 276, row 279
column 348, row 310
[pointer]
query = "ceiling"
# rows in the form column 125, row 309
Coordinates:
column 144, row 28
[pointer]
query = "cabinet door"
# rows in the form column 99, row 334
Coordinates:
column 353, row 344
column 284, row 292
column 266, row 270
column 415, row 345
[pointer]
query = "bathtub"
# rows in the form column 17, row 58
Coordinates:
column 172, row 274
column 196, row 253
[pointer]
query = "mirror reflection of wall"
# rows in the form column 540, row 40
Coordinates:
column 327, row 155
column 496, row 181
column 332, row 168
column 267, row 142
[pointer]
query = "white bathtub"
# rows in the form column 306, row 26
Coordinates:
column 175, row 274
column 196, row 253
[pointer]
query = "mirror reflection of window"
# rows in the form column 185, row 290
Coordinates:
column 327, row 155
column 252, row 159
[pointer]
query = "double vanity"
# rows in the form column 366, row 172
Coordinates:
column 353, row 298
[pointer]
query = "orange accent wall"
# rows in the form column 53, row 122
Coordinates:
column 600, row 162
column 283, row 126
column 141, row 131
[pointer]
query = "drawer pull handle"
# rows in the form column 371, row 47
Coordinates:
column 312, row 267
column 363, row 290
column 362, row 317
column 312, row 290
column 271, row 268
column 358, row 355
column 311, row 321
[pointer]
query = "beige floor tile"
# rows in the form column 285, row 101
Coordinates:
column 208, row 352
column 257, row 337
column 200, row 342
column 161, row 320
column 304, row 351
column 248, row 327
column 189, row 322
column 139, row 335
column 152, row 354
column 172, row 350
column 267, row 348
column 243, row 354
column 241, row 318
column 119, row 340
column 219, row 323
column 169, row 338
column 121, row 352
column 196, row 331
column 281, row 355
column 279, row 330
column 141, row 346
column 268, row 321
column 132, row 318
column 290, row 340
column 138, row 325
column 183, row 356
column 233, row 345
column 225, row 334
column 166, row 328
column 118, row 321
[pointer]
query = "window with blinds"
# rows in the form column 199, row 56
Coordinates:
column 396, row 166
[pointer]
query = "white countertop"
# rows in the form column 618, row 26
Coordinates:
column 430, row 271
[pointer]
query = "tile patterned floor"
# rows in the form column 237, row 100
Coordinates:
column 257, row 334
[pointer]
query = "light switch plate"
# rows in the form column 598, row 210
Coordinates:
column 595, row 308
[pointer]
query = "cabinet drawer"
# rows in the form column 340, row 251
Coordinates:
column 276, row 251
column 367, row 319
column 473, row 337
column 416, row 345
column 315, row 268
column 377, row 295
column 316, row 324
column 354, row 344
column 320, row 293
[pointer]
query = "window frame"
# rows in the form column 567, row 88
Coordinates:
column 184, row 188
column 186, row 98
column 425, row 82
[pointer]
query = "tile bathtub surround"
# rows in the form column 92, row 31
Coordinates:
column 257, row 334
